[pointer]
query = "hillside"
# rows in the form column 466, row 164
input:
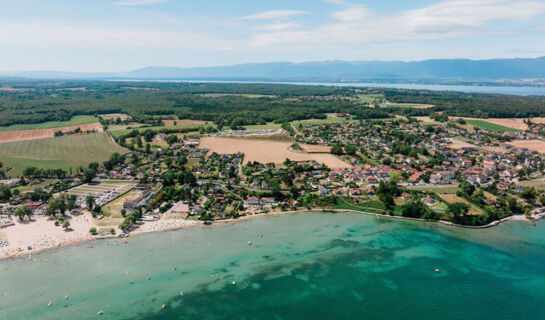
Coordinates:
column 429, row 70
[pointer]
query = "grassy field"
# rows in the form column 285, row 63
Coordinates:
column 30, row 187
column 321, row 121
column 218, row 95
column 57, row 153
column 370, row 206
column 122, row 130
column 113, row 209
column 369, row 98
column 77, row 120
column 490, row 126
column 267, row 126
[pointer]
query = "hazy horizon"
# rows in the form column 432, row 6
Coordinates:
column 124, row 35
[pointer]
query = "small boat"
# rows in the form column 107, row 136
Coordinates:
column 100, row 312
column 148, row 278
column 50, row 303
column 163, row 306
column 249, row 243
column 437, row 271
column 208, row 223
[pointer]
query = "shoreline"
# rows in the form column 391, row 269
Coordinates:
column 193, row 224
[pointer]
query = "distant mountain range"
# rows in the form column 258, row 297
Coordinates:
column 331, row 71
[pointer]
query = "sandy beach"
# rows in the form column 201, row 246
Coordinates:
column 42, row 234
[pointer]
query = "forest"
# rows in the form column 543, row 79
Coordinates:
column 25, row 102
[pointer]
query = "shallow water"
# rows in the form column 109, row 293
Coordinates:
column 306, row 266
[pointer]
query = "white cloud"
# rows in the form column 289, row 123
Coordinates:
column 280, row 26
column 273, row 15
column 138, row 2
column 351, row 14
column 356, row 26
column 447, row 15
column 43, row 34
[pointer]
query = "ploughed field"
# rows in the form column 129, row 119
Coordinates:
column 58, row 153
column 265, row 151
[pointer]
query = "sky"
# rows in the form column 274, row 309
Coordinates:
column 123, row 35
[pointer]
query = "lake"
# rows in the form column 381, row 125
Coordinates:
column 519, row 91
column 301, row 266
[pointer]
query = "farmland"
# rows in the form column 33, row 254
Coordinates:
column 490, row 126
column 54, row 153
column 75, row 121
column 267, row 151
column 21, row 135
column 119, row 130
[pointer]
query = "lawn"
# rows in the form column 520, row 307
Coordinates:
column 58, row 153
column 113, row 209
column 29, row 187
column 76, row 120
column 370, row 206
column 490, row 126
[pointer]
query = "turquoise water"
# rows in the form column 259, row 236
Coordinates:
column 306, row 266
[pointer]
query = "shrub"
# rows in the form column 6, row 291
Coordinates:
column 93, row 231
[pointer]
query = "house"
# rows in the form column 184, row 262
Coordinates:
column 428, row 200
column 406, row 196
column 252, row 202
column 355, row 193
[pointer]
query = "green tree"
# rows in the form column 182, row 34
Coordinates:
column 458, row 210
column 88, row 175
column 90, row 202
column 23, row 211
column 66, row 224
column 529, row 194
column 5, row 193
column 467, row 188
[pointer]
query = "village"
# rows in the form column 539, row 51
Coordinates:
column 390, row 164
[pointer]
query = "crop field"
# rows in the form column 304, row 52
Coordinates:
column 21, row 135
column 58, row 153
column 115, row 116
column 76, row 120
column 267, row 151
column 534, row 145
column 490, row 126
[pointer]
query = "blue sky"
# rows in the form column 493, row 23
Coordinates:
column 121, row 35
